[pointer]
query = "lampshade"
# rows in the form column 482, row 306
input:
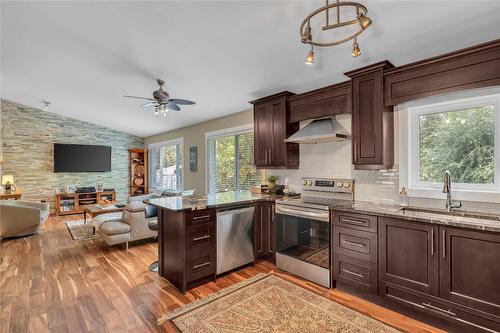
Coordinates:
column 7, row 179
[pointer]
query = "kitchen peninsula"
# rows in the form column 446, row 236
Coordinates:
column 187, row 237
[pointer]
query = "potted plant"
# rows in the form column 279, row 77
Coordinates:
column 271, row 180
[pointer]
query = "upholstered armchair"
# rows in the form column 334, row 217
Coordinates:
column 21, row 218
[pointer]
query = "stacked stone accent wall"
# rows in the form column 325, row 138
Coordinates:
column 28, row 136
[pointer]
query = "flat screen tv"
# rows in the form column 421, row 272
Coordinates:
column 81, row 158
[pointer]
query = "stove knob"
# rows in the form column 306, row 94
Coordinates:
column 347, row 185
column 339, row 184
column 304, row 182
column 309, row 182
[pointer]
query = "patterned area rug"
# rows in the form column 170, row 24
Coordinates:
column 81, row 231
column 267, row 303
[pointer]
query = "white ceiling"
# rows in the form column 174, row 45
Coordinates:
column 83, row 56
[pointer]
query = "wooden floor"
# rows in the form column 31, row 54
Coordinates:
column 51, row 283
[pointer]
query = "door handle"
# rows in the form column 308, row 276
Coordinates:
column 353, row 273
column 432, row 241
column 353, row 243
column 355, row 152
column 201, row 265
column 201, row 238
column 444, row 243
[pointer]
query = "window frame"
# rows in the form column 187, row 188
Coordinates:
column 242, row 129
column 409, row 146
column 179, row 142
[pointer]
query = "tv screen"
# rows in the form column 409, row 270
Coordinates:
column 81, row 158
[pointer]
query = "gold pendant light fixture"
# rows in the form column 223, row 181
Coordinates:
column 361, row 20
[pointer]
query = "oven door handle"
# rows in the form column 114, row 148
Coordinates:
column 303, row 213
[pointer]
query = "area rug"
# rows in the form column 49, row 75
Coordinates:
column 81, row 231
column 267, row 303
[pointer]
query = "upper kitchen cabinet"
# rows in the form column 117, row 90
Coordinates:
column 372, row 122
column 271, row 128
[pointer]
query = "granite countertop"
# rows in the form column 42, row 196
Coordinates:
column 218, row 200
column 469, row 220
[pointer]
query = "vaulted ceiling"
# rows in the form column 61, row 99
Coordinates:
column 83, row 56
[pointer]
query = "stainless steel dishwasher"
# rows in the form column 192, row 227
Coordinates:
column 234, row 238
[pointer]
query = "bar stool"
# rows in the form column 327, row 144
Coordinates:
column 154, row 226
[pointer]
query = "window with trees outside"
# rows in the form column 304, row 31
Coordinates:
column 165, row 164
column 230, row 164
column 461, row 136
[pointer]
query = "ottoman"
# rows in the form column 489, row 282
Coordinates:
column 115, row 232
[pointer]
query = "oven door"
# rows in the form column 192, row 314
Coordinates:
column 304, row 234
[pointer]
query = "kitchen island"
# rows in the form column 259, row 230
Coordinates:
column 187, row 237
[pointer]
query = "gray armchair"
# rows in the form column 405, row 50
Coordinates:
column 21, row 218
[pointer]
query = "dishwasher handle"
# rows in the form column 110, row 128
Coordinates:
column 237, row 210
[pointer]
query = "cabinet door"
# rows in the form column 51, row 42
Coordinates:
column 367, row 119
column 470, row 269
column 408, row 254
column 260, row 245
column 277, row 152
column 262, row 130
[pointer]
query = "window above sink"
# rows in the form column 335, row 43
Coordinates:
column 457, row 132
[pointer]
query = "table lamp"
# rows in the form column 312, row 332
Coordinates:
column 8, row 181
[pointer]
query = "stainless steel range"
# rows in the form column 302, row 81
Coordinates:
column 303, row 228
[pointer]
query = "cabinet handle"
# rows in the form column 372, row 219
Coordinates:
column 201, row 238
column 270, row 228
column 353, row 273
column 201, row 217
column 201, row 265
column 444, row 243
column 353, row 243
column 432, row 241
column 448, row 312
column 352, row 221
column 355, row 152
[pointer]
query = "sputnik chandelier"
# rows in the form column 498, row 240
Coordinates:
column 358, row 17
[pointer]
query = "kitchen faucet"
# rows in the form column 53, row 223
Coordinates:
column 450, row 203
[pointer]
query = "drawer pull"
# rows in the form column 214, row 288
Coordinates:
column 353, row 273
column 353, row 221
column 432, row 307
column 201, row 217
column 353, row 243
column 201, row 238
column 201, row 265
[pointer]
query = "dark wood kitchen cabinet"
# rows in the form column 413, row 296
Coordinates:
column 192, row 237
column 408, row 254
column 264, row 233
column 271, row 128
column 470, row 269
column 372, row 122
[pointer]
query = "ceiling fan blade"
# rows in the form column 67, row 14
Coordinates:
column 137, row 97
column 181, row 101
column 173, row 106
column 148, row 104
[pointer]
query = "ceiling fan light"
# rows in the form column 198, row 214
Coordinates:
column 310, row 57
column 307, row 34
column 364, row 21
column 156, row 113
column 356, row 51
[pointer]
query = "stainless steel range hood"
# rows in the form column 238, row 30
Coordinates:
column 320, row 130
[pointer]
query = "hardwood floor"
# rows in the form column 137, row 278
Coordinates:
column 51, row 283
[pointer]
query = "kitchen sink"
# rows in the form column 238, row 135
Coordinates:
column 457, row 213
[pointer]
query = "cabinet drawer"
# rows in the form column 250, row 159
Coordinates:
column 200, row 216
column 200, row 263
column 355, row 273
column 200, row 235
column 355, row 221
column 446, row 310
column 354, row 243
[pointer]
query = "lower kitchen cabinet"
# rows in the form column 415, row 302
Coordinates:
column 264, row 233
column 470, row 269
column 408, row 254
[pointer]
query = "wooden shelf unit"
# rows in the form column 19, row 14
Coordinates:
column 73, row 203
column 138, row 157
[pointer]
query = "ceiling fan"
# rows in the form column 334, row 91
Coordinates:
column 161, row 101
